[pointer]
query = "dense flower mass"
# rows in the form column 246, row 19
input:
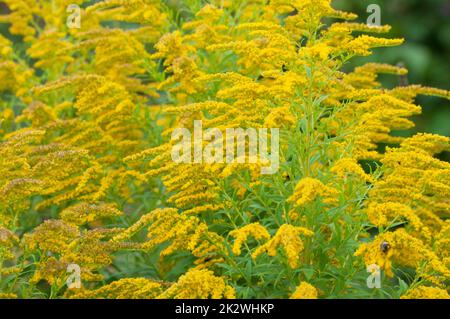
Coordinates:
column 88, row 186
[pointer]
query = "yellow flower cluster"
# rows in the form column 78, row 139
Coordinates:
column 398, row 246
column 62, row 244
column 241, row 235
column 199, row 283
column 304, row 291
column 412, row 192
column 128, row 288
column 87, row 176
column 307, row 191
column 287, row 237
column 346, row 167
column 423, row 292
column 7, row 242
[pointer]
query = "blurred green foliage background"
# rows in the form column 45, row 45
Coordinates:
column 425, row 26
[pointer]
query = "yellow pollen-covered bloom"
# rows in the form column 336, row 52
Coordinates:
column 287, row 237
column 241, row 235
column 304, row 291
column 199, row 284
column 423, row 292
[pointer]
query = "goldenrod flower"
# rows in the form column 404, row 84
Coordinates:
column 199, row 284
column 309, row 189
column 304, row 291
column 287, row 237
column 127, row 288
column 255, row 230
column 86, row 169
column 423, row 292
